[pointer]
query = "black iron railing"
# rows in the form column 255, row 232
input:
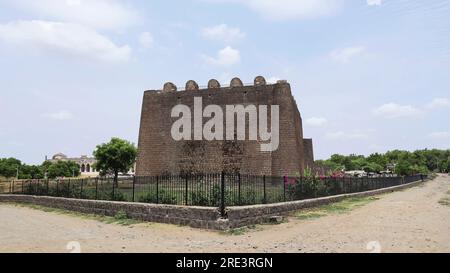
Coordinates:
column 212, row 190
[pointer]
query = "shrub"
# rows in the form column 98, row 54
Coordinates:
column 121, row 215
column 199, row 199
column 148, row 197
column 162, row 198
column 118, row 196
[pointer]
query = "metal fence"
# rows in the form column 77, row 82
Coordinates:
column 212, row 190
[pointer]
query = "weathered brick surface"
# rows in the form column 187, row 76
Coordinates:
column 160, row 154
column 308, row 152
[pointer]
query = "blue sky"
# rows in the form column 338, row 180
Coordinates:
column 368, row 75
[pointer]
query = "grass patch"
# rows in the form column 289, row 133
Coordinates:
column 340, row 207
column 445, row 201
column 240, row 231
column 120, row 218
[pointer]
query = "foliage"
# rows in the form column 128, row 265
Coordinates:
column 116, row 156
column 121, row 215
column 199, row 199
column 162, row 198
column 10, row 167
column 63, row 169
column 400, row 162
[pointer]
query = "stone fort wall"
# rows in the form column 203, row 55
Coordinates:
column 159, row 154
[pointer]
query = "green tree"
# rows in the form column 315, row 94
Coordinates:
column 372, row 167
column 8, row 167
column 379, row 159
column 30, row 172
column 116, row 156
column 329, row 165
column 62, row 169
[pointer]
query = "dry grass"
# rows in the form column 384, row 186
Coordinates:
column 445, row 201
column 343, row 206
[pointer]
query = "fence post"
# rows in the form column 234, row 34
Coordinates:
column 22, row 186
column 96, row 188
column 68, row 189
column 81, row 189
column 222, row 193
column 114, row 189
column 186, row 190
column 134, row 185
column 57, row 187
column 284, row 188
column 239, row 188
column 344, row 185
column 265, row 197
column 157, row 189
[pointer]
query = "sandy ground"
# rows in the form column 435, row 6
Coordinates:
column 406, row 221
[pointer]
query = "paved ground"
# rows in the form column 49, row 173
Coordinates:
column 408, row 221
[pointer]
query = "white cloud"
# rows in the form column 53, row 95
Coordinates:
column 68, row 38
column 146, row 40
column 393, row 110
column 60, row 116
column 316, row 122
column 374, row 2
column 346, row 136
column 225, row 57
column 345, row 55
column 223, row 33
column 281, row 10
column 440, row 135
column 101, row 14
column 438, row 103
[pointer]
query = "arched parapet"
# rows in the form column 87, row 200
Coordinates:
column 236, row 82
column 213, row 84
column 169, row 88
column 259, row 81
column 191, row 86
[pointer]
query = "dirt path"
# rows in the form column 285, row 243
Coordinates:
column 406, row 221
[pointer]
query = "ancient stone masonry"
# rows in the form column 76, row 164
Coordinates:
column 160, row 154
column 309, row 153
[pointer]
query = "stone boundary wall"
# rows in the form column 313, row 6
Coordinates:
column 197, row 217
column 257, row 214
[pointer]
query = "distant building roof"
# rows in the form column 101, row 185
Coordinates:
column 59, row 156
